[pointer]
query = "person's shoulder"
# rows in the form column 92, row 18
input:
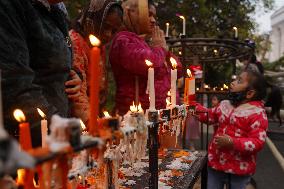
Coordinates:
column 125, row 35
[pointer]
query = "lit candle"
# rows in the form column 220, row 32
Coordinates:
column 136, row 109
column 94, row 83
column 151, row 85
column 20, row 177
column 189, row 90
column 83, row 126
column 236, row 31
column 44, row 129
column 167, row 29
column 24, row 130
column 184, row 25
column 173, row 81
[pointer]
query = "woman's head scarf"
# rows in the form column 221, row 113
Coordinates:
column 94, row 15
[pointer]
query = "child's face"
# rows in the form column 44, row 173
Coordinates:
column 241, row 83
column 215, row 101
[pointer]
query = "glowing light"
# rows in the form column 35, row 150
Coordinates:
column 149, row 63
column 94, row 40
column 181, row 17
column 106, row 114
column 83, row 126
column 19, row 115
column 188, row 73
column 41, row 113
column 173, row 62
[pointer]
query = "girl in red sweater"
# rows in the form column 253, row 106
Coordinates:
column 241, row 133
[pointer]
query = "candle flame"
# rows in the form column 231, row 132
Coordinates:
column 173, row 62
column 134, row 108
column 206, row 86
column 181, row 17
column 215, row 51
column 180, row 53
column 20, row 177
column 19, row 115
column 83, row 126
column 35, row 184
column 94, row 40
column 197, row 89
column 41, row 113
column 188, row 73
column 169, row 93
column 149, row 63
column 235, row 28
column 167, row 24
column 168, row 102
column 222, row 89
column 106, row 114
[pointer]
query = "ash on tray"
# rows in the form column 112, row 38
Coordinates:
column 162, row 185
column 181, row 163
column 130, row 182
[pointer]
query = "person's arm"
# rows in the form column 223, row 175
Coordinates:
column 206, row 115
column 18, row 87
column 256, row 137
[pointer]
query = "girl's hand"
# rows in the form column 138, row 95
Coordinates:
column 73, row 86
column 224, row 141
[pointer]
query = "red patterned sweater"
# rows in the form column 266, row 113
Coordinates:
column 246, row 125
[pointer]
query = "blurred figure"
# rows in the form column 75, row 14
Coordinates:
column 102, row 18
column 274, row 100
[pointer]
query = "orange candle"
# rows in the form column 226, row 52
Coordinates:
column 189, row 88
column 94, row 83
column 24, row 130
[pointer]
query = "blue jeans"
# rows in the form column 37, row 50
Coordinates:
column 217, row 180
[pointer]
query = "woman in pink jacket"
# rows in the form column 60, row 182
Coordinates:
column 128, row 53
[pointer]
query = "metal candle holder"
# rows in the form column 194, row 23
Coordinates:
column 153, row 149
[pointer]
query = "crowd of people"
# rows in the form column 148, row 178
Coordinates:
column 44, row 63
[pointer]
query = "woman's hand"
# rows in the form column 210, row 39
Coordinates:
column 73, row 86
column 158, row 38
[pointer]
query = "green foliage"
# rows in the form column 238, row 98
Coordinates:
column 274, row 66
column 211, row 18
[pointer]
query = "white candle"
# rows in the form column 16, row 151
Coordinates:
column 167, row 29
column 173, row 82
column 43, row 124
column 184, row 25
column 151, row 86
column 236, row 31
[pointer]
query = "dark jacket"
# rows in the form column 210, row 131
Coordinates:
column 35, row 60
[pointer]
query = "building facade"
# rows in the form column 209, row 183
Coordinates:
column 277, row 35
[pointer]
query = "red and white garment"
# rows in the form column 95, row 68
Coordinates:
column 246, row 125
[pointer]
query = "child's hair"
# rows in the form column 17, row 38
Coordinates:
column 257, row 82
